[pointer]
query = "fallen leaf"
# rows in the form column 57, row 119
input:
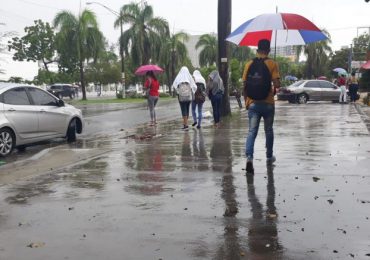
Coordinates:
column 330, row 201
column 36, row 245
column 315, row 179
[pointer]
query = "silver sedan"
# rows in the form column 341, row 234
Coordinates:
column 29, row 114
column 310, row 90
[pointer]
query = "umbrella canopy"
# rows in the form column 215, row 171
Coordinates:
column 366, row 66
column 280, row 28
column 142, row 70
column 340, row 71
column 322, row 78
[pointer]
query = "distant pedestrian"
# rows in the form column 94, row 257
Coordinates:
column 343, row 89
column 199, row 98
column 215, row 90
column 353, row 87
column 151, row 85
column 185, row 87
column 259, row 100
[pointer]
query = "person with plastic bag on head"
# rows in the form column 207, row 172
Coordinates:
column 185, row 87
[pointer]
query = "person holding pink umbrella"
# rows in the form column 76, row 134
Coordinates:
column 152, row 86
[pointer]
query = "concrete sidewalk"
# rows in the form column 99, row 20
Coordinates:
column 161, row 193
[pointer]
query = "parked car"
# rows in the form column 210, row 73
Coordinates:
column 309, row 90
column 63, row 90
column 29, row 114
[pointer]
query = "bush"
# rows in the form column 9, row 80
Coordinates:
column 119, row 94
column 164, row 95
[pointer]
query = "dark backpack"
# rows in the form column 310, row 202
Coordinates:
column 258, row 83
column 199, row 96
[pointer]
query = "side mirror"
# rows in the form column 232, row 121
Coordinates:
column 60, row 103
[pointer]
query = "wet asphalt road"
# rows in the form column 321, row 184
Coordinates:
column 160, row 193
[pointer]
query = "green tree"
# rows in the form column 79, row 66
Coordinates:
column 208, row 54
column 4, row 36
column 16, row 79
column 37, row 45
column 106, row 70
column 317, row 54
column 339, row 59
column 173, row 54
column 242, row 53
column 361, row 45
column 235, row 73
column 79, row 39
column 144, row 34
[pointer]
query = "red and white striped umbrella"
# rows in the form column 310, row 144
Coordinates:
column 281, row 28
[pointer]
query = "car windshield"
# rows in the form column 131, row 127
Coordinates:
column 296, row 84
column 55, row 87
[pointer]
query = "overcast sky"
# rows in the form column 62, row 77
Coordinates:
column 340, row 17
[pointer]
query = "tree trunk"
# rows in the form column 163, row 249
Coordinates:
column 82, row 79
column 224, row 29
column 173, row 63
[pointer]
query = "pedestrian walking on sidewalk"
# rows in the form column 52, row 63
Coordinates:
column 215, row 90
column 185, row 87
column 199, row 98
column 353, row 87
column 259, row 100
column 343, row 88
column 151, row 85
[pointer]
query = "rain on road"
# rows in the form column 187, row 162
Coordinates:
column 160, row 193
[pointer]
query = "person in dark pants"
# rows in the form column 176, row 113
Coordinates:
column 353, row 87
column 215, row 90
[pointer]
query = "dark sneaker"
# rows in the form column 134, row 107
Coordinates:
column 185, row 128
column 249, row 167
column 271, row 160
column 194, row 124
column 198, row 126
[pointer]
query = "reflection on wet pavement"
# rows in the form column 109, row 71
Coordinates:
column 167, row 194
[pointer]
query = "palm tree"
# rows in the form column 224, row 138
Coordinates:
column 241, row 53
column 143, row 36
column 208, row 55
column 173, row 54
column 80, row 36
column 317, row 54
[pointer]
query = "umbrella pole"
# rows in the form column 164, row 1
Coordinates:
column 275, row 37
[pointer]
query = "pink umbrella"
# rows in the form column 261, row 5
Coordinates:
column 366, row 66
column 142, row 70
column 322, row 78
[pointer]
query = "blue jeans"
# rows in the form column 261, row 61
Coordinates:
column 194, row 113
column 255, row 113
column 216, row 105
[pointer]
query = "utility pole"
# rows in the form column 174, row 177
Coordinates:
column 224, row 29
column 119, row 16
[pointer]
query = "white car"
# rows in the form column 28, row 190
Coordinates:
column 29, row 114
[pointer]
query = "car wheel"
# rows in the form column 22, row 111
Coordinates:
column 302, row 99
column 71, row 132
column 7, row 142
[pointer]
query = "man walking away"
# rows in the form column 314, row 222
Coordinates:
column 259, row 100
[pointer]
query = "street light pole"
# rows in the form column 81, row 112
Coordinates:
column 120, row 43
